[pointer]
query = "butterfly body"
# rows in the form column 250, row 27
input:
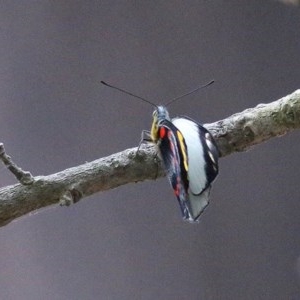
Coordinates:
column 190, row 157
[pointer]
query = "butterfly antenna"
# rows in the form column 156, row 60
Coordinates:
column 126, row 92
column 191, row 92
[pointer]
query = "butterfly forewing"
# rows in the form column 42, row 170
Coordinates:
column 202, row 152
column 173, row 159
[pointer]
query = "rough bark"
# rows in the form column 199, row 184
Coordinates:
column 236, row 133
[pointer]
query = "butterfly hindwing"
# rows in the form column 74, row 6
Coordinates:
column 190, row 157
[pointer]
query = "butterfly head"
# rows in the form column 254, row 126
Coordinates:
column 159, row 115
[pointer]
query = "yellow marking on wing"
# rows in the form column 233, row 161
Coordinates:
column 154, row 130
column 183, row 149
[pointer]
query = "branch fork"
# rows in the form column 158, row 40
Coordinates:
column 24, row 177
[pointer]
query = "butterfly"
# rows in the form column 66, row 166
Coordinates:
column 189, row 154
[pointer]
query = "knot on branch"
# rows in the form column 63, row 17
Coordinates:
column 70, row 197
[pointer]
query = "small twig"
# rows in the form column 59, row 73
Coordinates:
column 24, row 177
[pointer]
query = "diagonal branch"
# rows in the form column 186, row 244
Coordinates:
column 236, row 133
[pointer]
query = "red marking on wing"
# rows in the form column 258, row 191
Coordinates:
column 162, row 132
column 178, row 186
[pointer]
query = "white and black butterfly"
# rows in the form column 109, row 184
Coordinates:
column 190, row 156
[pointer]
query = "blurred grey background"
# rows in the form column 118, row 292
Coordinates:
column 131, row 243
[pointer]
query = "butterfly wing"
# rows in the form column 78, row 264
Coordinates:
column 175, row 163
column 202, row 156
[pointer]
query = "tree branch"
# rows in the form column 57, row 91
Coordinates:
column 236, row 133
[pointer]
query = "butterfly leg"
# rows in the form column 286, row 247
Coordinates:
column 145, row 138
